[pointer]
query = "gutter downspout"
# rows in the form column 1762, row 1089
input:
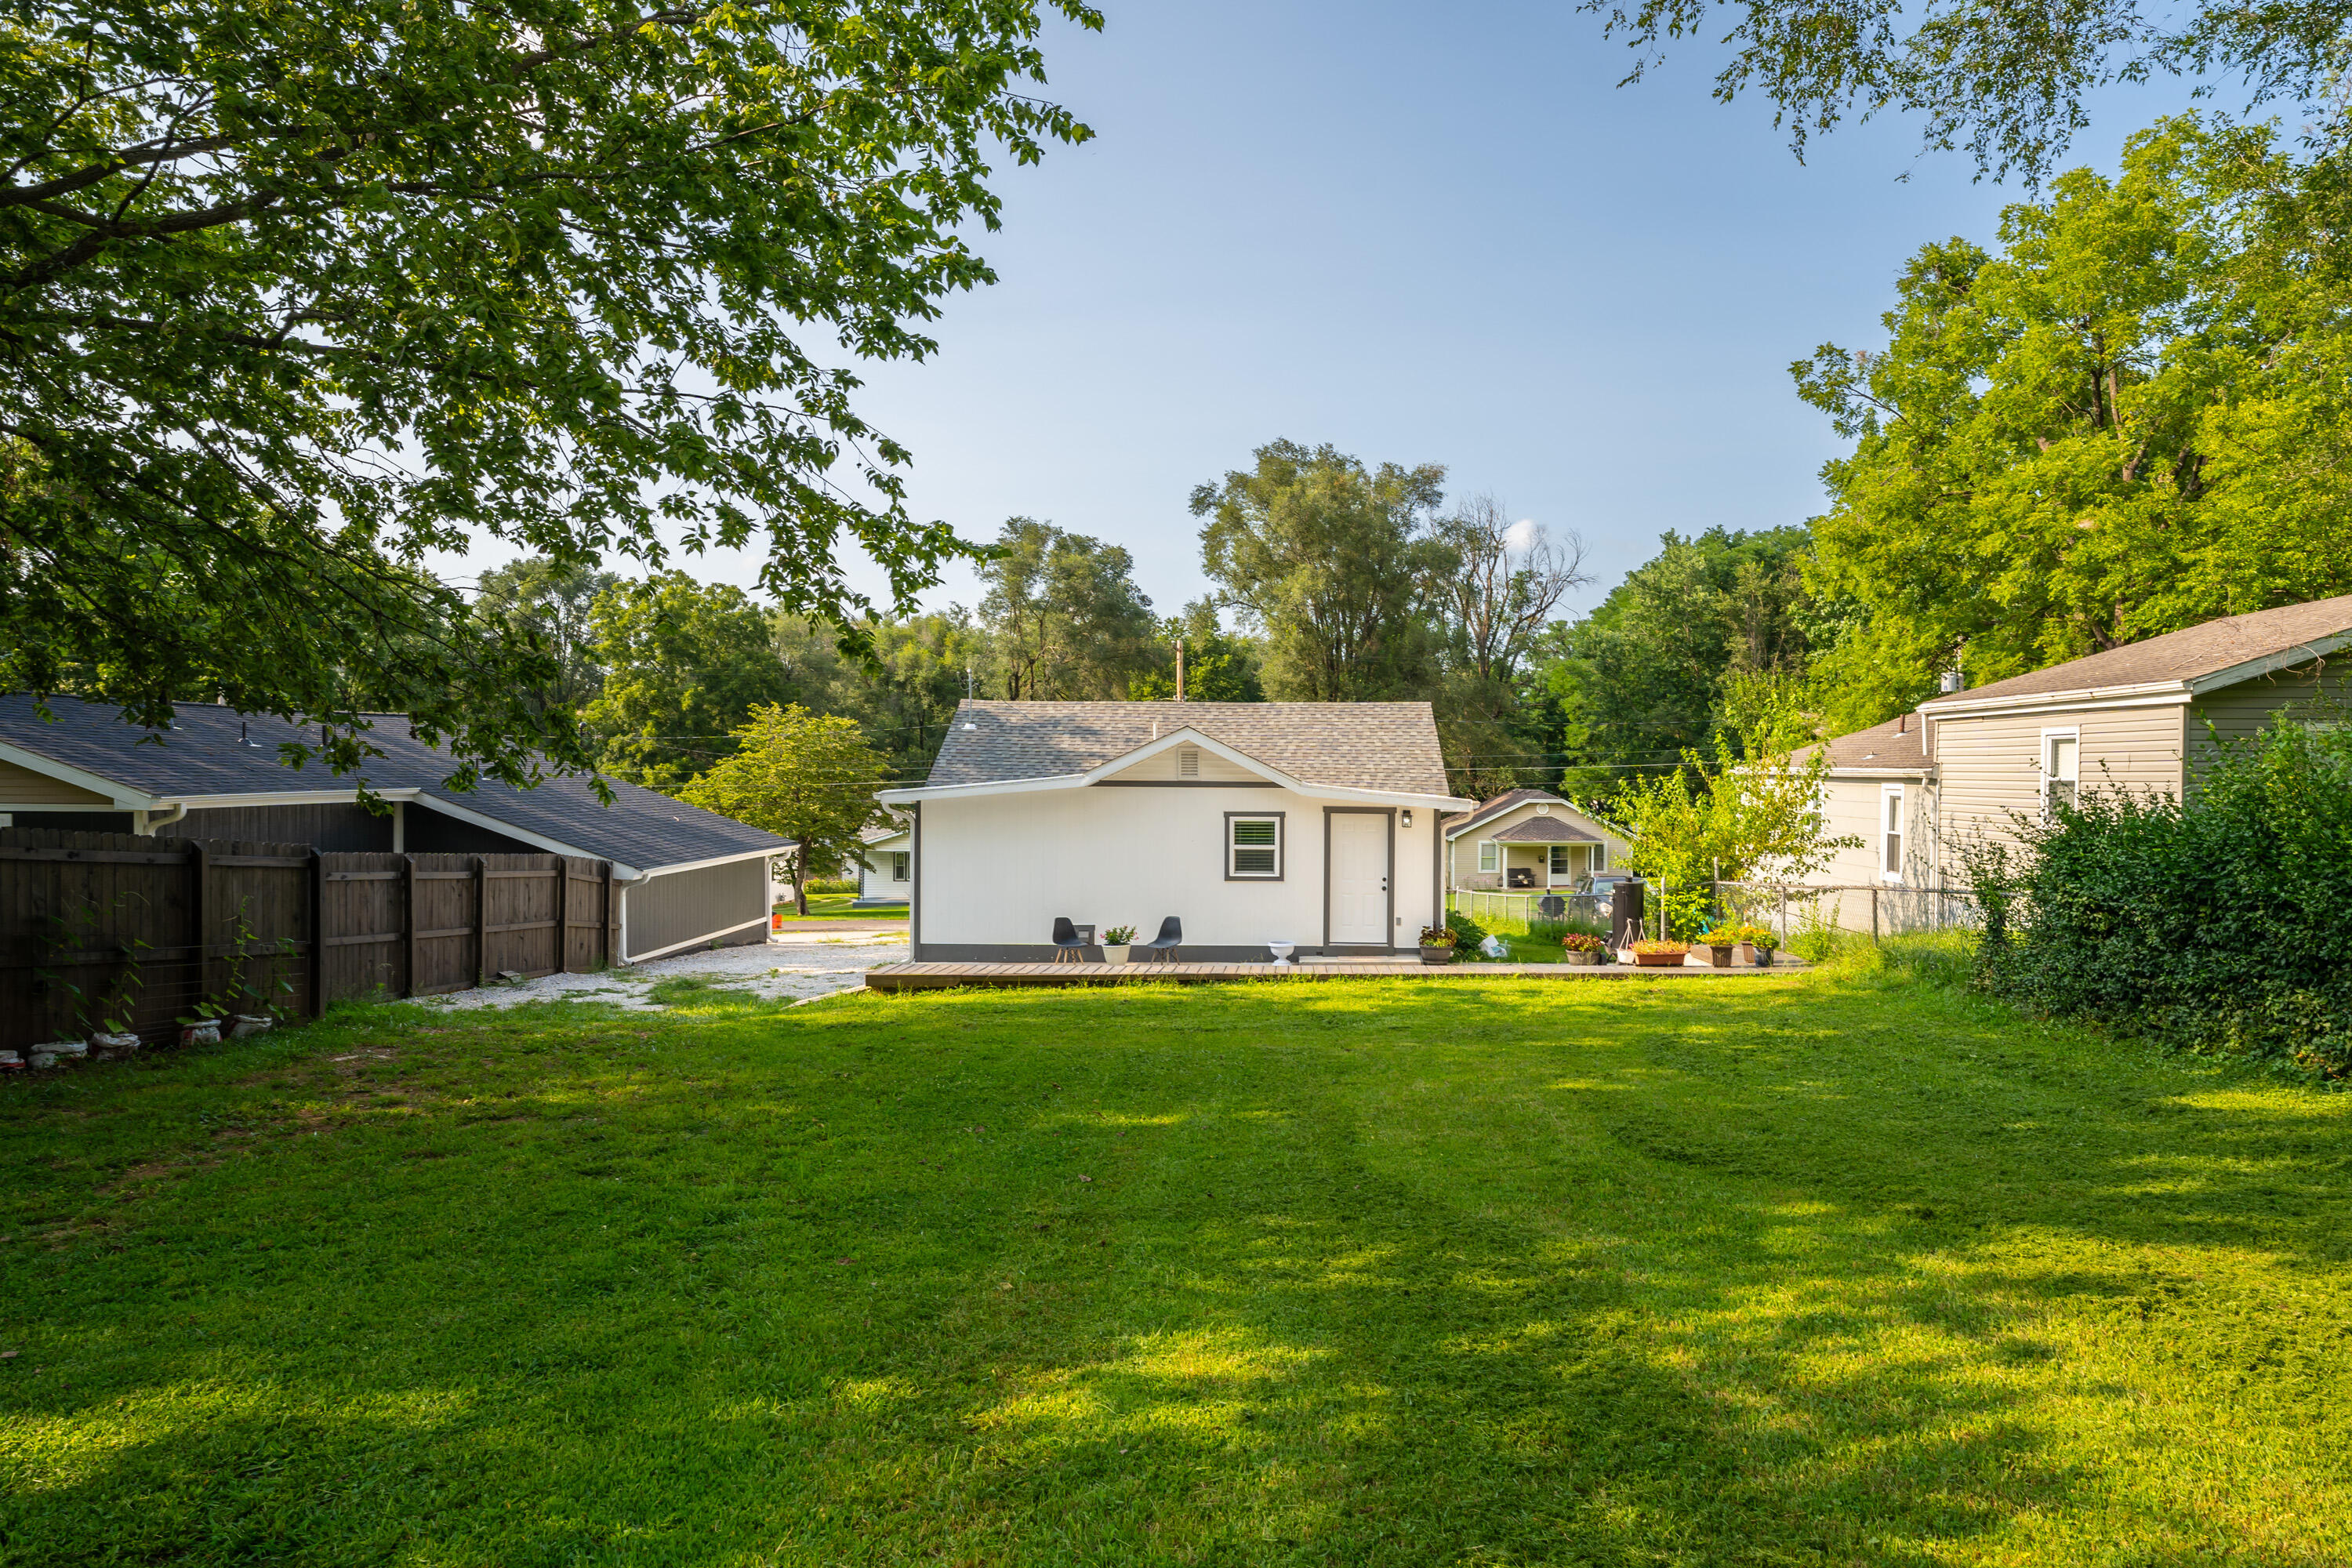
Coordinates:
column 1437, row 866
column 915, row 891
column 144, row 823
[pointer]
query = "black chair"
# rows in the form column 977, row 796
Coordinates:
column 1172, row 935
column 1069, row 947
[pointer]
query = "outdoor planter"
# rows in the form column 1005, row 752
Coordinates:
column 248, row 1025
column 1430, row 953
column 205, row 1034
column 1720, row 957
column 1763, row 957
column 114, row 1047
column 1115, row 953
column 1660, row 960
column 1588, row 957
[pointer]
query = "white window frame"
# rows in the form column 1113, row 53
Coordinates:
column 1559, row 867
column 901, row 863
column 2048, row 770
column 1490, row 857
column 1894, row 807
column 1232, row 849
column 1597, row 861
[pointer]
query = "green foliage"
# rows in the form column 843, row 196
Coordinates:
column 1439, row 936
column 1119, row 936
column 1641, row 681
column 800, row 776
column 1334, row 565
column 298, row 293
column 1467, row 932
column 550, row 606
column 2008, row 86
column 2129, row 420
column 685, row 664
column 1219, row 665
column 2216, row 923
column 1063, row 615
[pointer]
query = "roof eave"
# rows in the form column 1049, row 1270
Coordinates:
column 2269, row 663
column 123, row 796
column 1962, row 706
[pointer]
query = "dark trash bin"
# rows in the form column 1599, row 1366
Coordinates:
column 1625, row 914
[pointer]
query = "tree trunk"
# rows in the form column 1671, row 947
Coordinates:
column 800, row 881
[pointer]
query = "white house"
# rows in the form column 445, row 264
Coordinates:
column 1312, row 823
column 1968, row 764
column 1534, row 841
column 885, row 865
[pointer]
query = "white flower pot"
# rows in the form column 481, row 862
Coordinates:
column 1115, row 954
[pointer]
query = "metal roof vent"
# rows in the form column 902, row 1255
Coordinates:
column 1951, row 682
column 1188, row 761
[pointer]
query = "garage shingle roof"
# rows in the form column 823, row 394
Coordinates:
column 2184, row 655
column 202, row 753
column 1544, row 830
column 1390, row 746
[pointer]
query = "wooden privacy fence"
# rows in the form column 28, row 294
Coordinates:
column 99, row 927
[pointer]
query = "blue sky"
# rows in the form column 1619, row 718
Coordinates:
column 1422, row 234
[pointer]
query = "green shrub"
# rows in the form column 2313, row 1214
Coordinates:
column 2216, row 923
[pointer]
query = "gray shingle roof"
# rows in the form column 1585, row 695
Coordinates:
column 2185, row 655
column 1880, row 747
column 1387, row 746
column 201, row 754
column 1510, row 800
column 1545, row 830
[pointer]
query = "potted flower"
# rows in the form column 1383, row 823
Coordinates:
column 1437, row 944
column 1115, row 944
column 1651, row 953
column 1767, row 943
column 1577, row 947
column 1739, row 940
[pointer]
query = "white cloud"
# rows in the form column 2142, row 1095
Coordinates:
column 1522, row 533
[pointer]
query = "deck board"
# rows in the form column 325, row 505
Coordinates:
column 934, row 976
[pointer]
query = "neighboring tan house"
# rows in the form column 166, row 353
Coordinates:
column 885, row 865
column 1530, row 840
column 1311, row 823
column 1967, row 764
column 685, row 877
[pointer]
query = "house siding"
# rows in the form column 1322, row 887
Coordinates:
column 1989, row 767
column 1461, row 853
column 1165, row 768
column 687, row 906
column 996, row 870
column 23, row 786
column 2237, row 712
column 332, row 828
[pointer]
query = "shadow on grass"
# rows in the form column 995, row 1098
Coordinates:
column 1399, row 1275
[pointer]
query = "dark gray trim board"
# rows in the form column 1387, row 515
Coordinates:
column 1281, row 845
column 1042, row 953
column 1329, row 813
column 915, row 892
column 1437, row 888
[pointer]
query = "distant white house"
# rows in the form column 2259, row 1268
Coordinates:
column 1530, row 840
column 1311, row 823
column 885, row 865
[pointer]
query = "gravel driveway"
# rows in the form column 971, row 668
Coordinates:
column 796, row 966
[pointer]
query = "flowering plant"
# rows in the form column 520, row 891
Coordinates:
column 1652, row 944
column 1119, row 936
column 1582, row 941
column 1438, row 936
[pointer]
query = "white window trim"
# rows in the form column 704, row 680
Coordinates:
column 902, row 863
column 1598, row 860
column 1233, row 849
column 1487, row 848
column 1902, row 833
column 2042, row 764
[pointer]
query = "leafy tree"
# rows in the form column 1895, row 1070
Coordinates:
column 1064, row 616
column 2005, row 82
column 805, row 776
column 903, row 693
column 1639, row 683
column 1752, row 808
column 2131, row 419
column 537, row 599
column 296, row 293
column 1503, row 587
column 1219, row 666
column 1335, row 565
column 684, row 663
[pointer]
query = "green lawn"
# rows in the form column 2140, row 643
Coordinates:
column 1785, row 1272
column 836, row 906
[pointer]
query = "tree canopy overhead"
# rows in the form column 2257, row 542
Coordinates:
column 2004, row 82
column 297, row 292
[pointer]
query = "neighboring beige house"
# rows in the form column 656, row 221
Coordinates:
column 1530, row 840
column 1310, row 823
column 1967, row 764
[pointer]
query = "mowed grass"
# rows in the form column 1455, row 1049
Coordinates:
column 839, row 906
column 1785, row 1272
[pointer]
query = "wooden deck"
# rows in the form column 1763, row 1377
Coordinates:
column 941, row 977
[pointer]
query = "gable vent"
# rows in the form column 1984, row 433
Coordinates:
column 1188, row 761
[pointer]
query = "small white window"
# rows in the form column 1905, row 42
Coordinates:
column 1600, row 859
column 1490, row 856
column 1560, row 859
column 2061, row 764
column 1188, row 761
column 899, row 861
column 1252, row 849
column 1891, row 834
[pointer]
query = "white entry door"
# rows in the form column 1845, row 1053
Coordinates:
column 1359, row 877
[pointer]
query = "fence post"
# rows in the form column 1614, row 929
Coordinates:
column 605, row 928
column 408, row 917
column 481, row 923
column 1874, row 914
column 563, row 915
column 199, row 881
column 318, row 869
